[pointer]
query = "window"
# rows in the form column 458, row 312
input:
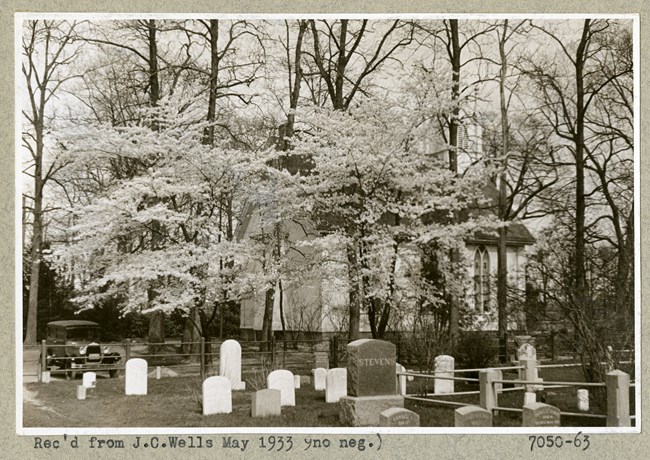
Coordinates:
column 481, row 279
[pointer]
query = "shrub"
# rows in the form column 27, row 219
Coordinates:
column 475, row 351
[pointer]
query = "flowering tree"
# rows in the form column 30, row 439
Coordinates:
column 370, row 185
column 152, row 242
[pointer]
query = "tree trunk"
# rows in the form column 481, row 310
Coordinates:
column 354, row 293
column 454, row 301
column 37, row 243
column 156, row 332
column 580, row 274
column 267, row 321
column 192, row 334
column 502, row 253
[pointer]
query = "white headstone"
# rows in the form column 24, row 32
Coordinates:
column 45, row 377
column 81, row 392
column 283, row 380
column 336, row 384
column 529, row 398
column 444, row 367
column 217, row 396
column 265, row 403
column 319, row 378
column 583, row 400
column 401, row 379
column 526, row 351
column 296, row 379
column 135, row 382
column 158, row 372
column 230, row 363
column 89, row 379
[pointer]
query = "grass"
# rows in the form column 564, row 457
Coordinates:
column 175, row 402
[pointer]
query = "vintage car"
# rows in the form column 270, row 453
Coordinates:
column 73, row 345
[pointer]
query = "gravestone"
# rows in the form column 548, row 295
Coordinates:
column 401, row 379
column 371, row 382
column 444, row 367
column 321, row 359
column 230, row 363
column 45, row 377
column 540, row 414
column 158, row 372
column 135, row 381
column 398, row 416
column 217, row 395
column 371, row 368
column 265, row 403
column 89, row 379
column 81, row 392
column 472, row 416
column 336, row 383
column 296, row 381
column 319, row 378
column 283, row 380
column 583, row 400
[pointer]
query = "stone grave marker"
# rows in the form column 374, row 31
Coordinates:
column 81, row 392
column 398, row 416
column 283, row 380
column 89, row 379
column 319, row 378
column 265, row 403
column 401, row 379
column 135, row 381
column 230, row 363
column 371, row 368
column 540, row 414
column 296, row 381
column 583, row 400
column 45, row 377
column 444, row 367
column 336, row 383
column 371, row 383
column 472, row 416
column 217, row 395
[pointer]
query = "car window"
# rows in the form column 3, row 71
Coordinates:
column 83, row 333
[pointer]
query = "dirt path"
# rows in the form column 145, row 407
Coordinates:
column 29, row 397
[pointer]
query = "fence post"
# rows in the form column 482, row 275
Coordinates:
column 273, row 351
column 202, row 357
column 618, row 398
column 488, row 398
column 529, row 373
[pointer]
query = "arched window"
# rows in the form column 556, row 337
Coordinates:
column 481, row 279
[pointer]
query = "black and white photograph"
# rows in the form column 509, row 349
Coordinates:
column 333, row 223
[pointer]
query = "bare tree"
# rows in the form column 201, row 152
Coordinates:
column 47, row 51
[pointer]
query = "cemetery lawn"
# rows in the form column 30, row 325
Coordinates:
column 175, row 402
